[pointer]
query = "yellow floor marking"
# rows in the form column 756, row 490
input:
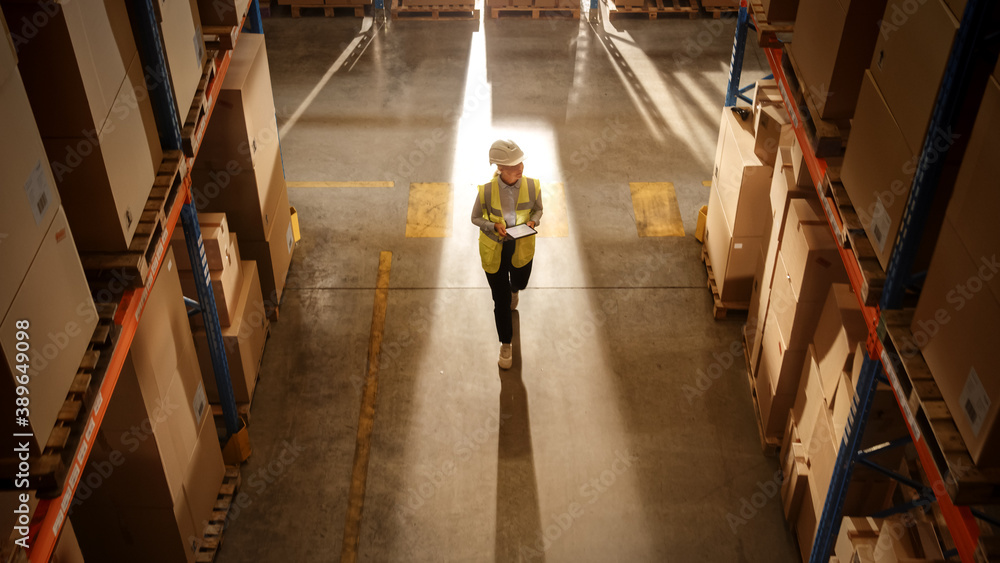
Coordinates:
column 340, row 184
column 706, row 183
column 366, row 420
column 555, row 219
column 656, row 210
column 428, row 214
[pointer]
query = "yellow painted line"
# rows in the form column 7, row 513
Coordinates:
column 340, row 184
column 706, row 183
column 555, row 218
column 656, row 211
column 428, row 213
column 366, row 420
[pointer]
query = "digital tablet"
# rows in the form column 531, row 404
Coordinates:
column 520, row 231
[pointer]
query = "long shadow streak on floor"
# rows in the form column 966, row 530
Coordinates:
column 518, row 521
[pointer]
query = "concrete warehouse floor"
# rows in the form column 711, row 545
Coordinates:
column 606, row 441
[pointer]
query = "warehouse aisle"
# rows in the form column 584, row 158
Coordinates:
column 624, row 431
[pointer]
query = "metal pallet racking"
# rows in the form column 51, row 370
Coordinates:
column 883, row 362
column 50, row 514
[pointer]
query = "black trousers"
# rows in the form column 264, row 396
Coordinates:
column 507, row 279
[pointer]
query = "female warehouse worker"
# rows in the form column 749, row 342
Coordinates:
column 509, row 199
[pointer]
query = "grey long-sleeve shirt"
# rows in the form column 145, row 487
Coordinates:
column 508, row 205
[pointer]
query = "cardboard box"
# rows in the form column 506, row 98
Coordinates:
column 227, row 13
column 184, row 47
column 238, row 170
column 226, row 284
column 8, row 55
column 734, row 260
column 907, row 541
column 840, row 329
column 67, row 548
column 772, row 131
column 29, row 200
column 908, row 65
column 833, row 46
column 204, row 475
column 809, row 397
column 741, row 179
column 214, row 238
column 774, row 409
column 243, row 340
column 811, row 257
column 111, row 533
column 74, row 66
column 163, row 344
column 782, row 366
column 975, row 205
column 780, row 10
column 878, row 169
column 274, row 255
column 809, row 514
column 55, row 300
column 854, row 533
column 955, row 323
column 105, row 178
column 842, row 402
column 800, row 169
column 796, row 319
column 758, row 308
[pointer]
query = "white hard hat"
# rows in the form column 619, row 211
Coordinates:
column 506, row 153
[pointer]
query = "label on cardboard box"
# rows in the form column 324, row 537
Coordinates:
column 880, row 224
column 975, row 402
column 39, row 192
column 290, row 238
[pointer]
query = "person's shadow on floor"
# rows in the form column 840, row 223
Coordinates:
column 518, row 520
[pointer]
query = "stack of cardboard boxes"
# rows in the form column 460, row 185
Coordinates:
column 226, row 13
column 238, row 300
column 957, row 321
column 894, row 108
column 906, row 537
column 43, row 291
column 738, row 219
column 156, row 467
column 833, row 45
column 238, row 171
column 85, row 83
column 816, row 424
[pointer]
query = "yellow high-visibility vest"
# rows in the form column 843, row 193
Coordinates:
column 490, row 245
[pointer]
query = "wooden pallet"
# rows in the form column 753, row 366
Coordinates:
column 212, row 536
column 652, row 9
column 716, row 10
column 925, row 407
column 720, row 308
column 770, row 35
column 434, row 12
column 535, row 12
column 328, row 10
column 769, row 446
column 850, row 232
column 197, row 119
column 131, row 269
column 48, row 471
column 827, row 138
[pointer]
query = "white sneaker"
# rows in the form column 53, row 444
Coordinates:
column 513, row 301
column 506, row 356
